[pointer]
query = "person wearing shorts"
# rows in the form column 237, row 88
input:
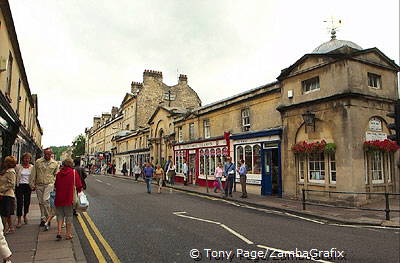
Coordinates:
column 66, row 180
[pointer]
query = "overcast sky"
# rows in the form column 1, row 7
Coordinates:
column 81, row 55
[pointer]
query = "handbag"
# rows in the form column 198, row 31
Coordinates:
column 83, row 202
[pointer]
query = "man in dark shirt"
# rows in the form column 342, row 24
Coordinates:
column 148, row 176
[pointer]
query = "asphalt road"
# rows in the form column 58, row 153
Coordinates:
column 165, row 227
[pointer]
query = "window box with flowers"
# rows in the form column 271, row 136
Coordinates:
column 380, row 160
column 319, row 157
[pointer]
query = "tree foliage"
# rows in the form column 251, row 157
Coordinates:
column 78, row 146
column 58, row 150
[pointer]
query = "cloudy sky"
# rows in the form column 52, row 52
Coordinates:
column 81, row 55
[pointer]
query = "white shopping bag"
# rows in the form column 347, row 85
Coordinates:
column 83, row 202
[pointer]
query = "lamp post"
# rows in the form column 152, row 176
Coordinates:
column 309, row 119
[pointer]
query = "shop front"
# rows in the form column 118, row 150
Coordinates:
column 261, row 152
column 202, row 157
column 9, row 127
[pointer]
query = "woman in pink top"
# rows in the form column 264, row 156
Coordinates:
column 218, row 177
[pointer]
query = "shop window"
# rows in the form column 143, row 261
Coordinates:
column 301, row 162
column 256, row 159
column 374, row 81
column 212, row 161
column 310, row 85
column 245, row 119
column 191, row 131
column 218, row 156
column 316, row 167
column 201, row 162
column 239, row 153
column 207, row 162
column 206, row 126
column 377, row 167
column 248, row 157
column 332, row 168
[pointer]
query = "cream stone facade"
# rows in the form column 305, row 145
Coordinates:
column 20, row 130
column 338, row 96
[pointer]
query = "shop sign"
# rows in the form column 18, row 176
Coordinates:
column 375, row 136
column 192, row 152
column 375, row 124
column 258, row 139
column 199, row 145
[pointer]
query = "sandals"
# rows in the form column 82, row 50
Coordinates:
column 19, row 225
column 9, row 231
column 69, row 237
column 25, row 220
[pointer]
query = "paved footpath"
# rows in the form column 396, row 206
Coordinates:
column 332, row 214
column 31, row 244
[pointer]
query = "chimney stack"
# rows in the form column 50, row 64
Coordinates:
column 152, row 74
column 114, row 111
column 136, row 87
column 182, row 79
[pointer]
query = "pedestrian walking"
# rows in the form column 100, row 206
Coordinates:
column 243, row 174
column 137, row 170
column 124, row 170
column 229, row 174
column 159, row 174
column 219, row 172
column 23, row 190
column 82, row 175
column 52, row 210
column 42, row 180
column 5, row 252
column 66, row 180
column 171, row 172
column 7, row 194
column 185, row 170
column 148, row 174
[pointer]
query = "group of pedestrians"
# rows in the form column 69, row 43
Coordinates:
column 55, row 188
column 228, row 171
column 161, row 175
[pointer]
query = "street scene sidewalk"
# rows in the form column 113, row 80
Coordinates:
column 30, row 244
column 335, row 214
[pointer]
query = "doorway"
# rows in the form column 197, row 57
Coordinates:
column 271, row 182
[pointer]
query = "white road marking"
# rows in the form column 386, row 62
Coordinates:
column 100, row 181
column 230, row 230
column 305, row 218
column 289, row 252
column 108, row 184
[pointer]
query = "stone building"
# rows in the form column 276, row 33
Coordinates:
column 20, row 130
column 314, row 128
column 127, row 138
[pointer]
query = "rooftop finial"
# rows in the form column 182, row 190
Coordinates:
column 334, row 26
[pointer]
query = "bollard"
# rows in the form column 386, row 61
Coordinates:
column 387, row 210
column 304, row 198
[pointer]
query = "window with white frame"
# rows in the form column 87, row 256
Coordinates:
column 251, row 154
column 377, row 167
column 206, row 126
column 180, row 134
column 310, row 85
column 316, row 167
column 332, row 168
column 374, row 81
column 245, row 119
column 191, row 131
column 301, row 167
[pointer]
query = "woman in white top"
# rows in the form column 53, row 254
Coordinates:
column 23, row 190
column 171, row 173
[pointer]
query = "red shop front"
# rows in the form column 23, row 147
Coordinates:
column 202, row 158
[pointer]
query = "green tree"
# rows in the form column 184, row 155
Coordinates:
column 79, row 146
column 57, row 150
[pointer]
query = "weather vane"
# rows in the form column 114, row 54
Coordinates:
column 334, row 26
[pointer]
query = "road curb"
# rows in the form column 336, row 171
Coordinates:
column 77, row 247
column 280, row 209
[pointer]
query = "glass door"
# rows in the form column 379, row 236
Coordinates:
column 271, row 183
column 192, row 169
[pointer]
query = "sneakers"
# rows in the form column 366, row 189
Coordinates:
column 46, row 227
column 58, row 237
column 42, row 223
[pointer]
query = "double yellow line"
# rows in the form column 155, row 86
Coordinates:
column 100, row 237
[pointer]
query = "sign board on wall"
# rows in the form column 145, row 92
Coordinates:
column 258, row 139
column 375, row 136
column 200, row 145
column 375, row 124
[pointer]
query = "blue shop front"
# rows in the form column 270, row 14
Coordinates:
column 261, row 152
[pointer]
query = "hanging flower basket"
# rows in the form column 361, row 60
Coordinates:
column 313, row 147
column 381, row 146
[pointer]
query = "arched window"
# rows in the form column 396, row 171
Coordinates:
column 201, row 162
column 239, row 153
column 248, row 157
column 256, row 159
column 207, row 162
column 212, row 161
